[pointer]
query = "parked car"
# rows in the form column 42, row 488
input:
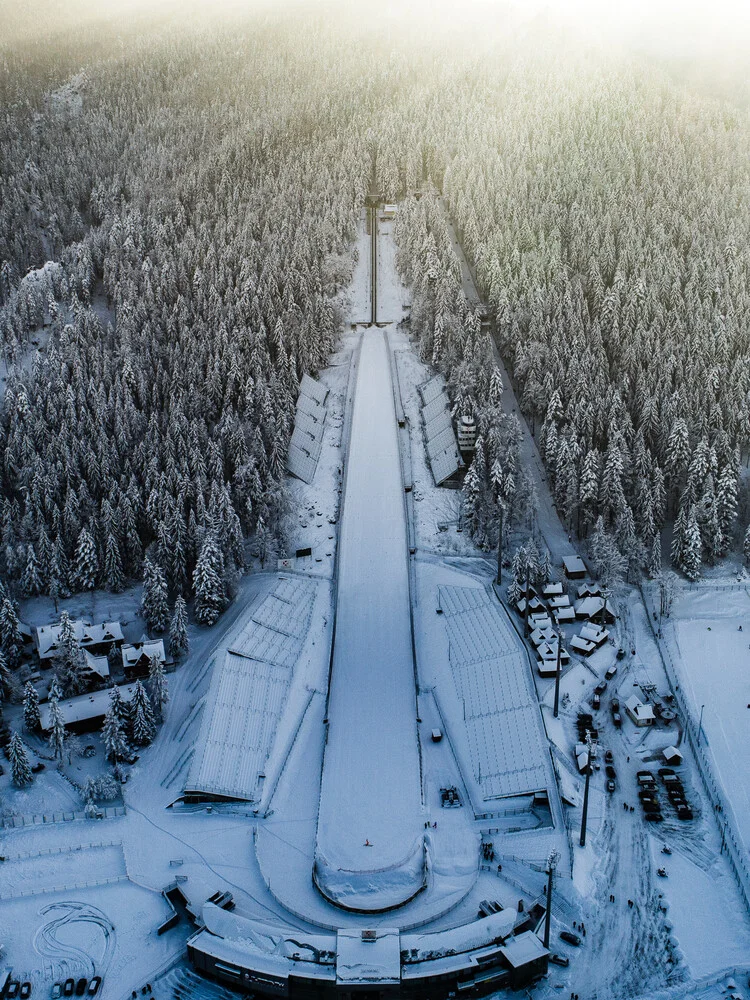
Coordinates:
column 684, row 812
column 610, row 771
column 69, row 987
column 570, row 937
column 653, row 817
column 617, row 719
column 620, row 653
column 25, row 991
column 81, row 986
column 601, row 687
column 611, row 786
column 12, row 989
column 94, row 985
column 609, row 674
column 609, row 757
column 562, row 960
column 596, row 701
column 646, row 775
column 57, row 991
column 664, row 771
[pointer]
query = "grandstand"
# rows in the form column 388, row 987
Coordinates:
column 309, row 425
column 437, row 429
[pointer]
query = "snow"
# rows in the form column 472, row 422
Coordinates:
column 370, row 791
column 713, row 661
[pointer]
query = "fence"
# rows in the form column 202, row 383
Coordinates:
column 730, row 837
column 25, row 855
column 19, row 820
column 45, row 890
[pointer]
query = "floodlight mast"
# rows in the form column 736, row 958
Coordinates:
column 552, row 860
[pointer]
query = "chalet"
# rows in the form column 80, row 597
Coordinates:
column 136, row 657
column 95, row 667
column 672, row 756
column 562, row 615
column 561, row 601
column 85, row 713
column 594, row 608
column 584, row 647
column 534, row 605
column 589, row 590
column 595, row 633
column 552, row 590
column 96, row 639
column 574, row 567
column 641, row 714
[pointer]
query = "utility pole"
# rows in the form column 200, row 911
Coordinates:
column 552, row 860
column 584, row 817
column 500, row 549
column 700, row 726
column 557, row 675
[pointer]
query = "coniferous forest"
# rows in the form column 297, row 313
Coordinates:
column 178, row 204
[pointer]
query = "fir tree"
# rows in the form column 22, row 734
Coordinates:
column 210, row 596
column 32, row 718
column 86, row 562
column 746, row 545
column 11, row 639
column 178, row 629
column 31, row 583
column 19, row 762
column 56, row 727
column 5, row 678
column 154, row 604
column 143, row 722
column 157, row 682
column 113, row 732
column 70, row 661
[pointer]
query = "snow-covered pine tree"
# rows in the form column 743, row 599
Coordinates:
column 746, row 545
column 32, row 718
column 69, row 663
column 113, row 731
column 19, row 762
column 85, row 562
column 210, row 596
column 11, row 640
column 31, row 583
column 178, row 629
column 5, row 678
column 143, row 722
column 56, row 727
column 154, row 603
column 157, row 683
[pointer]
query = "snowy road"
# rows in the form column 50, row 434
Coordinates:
column 369, row 851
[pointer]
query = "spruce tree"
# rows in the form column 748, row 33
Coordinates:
column 5, row 678
column 178, row 629
column 56, row 727
column 32, row 718
column 11, row 640
column 85, row 562
column 210, row 596
column 70, row 662
column 31, row 583
column 157, row 683
column 154, row 604
column 746, row 545
column 19, row 762
column 143, row 722
column 113, row 732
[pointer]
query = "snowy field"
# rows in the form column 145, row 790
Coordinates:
column 712, row 657
column 370, row 805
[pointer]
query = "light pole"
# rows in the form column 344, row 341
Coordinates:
column 700, row 725
column 584, row 817
column 552, row 860
column 557, row 675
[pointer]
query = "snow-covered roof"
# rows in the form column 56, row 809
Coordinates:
column 589, row 590
column 589, row 607
column 573, row 565
column 523, row 948
column 581, row 645
column 85, row 706
column 309, row 426
column 96, row 664
column 132, row 652
column 48, row 636
column 368, row 959
column 465, row 937
column 552, row 589
column 639, row 710
column 671, row 754
column 564, row 615
column 491, row 672
column 594, row 633
column 247, row 695
column 431, row 389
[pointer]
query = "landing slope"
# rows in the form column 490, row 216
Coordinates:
column 371, row 784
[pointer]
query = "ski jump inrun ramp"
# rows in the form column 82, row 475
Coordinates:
column 369, row 853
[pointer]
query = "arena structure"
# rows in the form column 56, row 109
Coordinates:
column 497, row 952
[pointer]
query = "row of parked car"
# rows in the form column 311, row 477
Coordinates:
column 676, row 793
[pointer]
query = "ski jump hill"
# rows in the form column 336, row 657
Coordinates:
column 369, row 853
